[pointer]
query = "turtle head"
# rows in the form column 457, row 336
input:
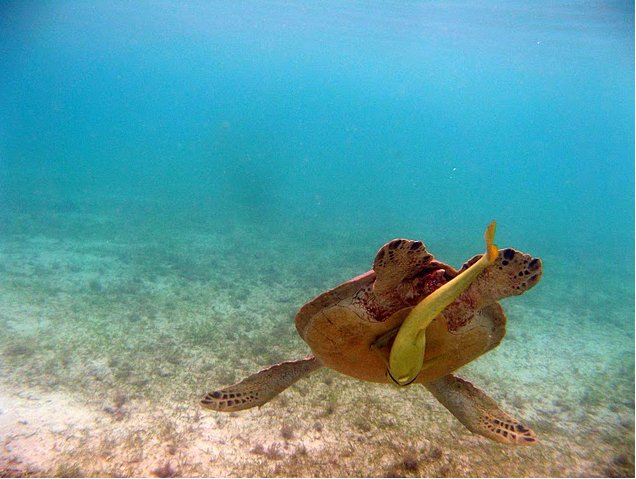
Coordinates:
column 511, row 274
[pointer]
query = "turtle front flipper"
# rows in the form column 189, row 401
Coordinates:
column 261, row 387
column 478, row 412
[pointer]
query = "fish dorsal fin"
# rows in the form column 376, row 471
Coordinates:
column 396, row 260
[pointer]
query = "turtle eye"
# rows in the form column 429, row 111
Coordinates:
column 508, row 254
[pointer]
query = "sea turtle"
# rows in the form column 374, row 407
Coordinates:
column 353, row 327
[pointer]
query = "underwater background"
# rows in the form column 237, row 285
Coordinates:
column 178, row 178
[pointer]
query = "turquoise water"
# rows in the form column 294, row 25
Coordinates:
column 183, row 177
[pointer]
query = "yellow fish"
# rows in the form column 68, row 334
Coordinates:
column 407, row 353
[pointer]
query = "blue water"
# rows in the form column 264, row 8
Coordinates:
column 331, row 123
column 416, row 113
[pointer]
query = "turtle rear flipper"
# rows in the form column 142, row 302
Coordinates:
column 478, row 412
column 260, row 387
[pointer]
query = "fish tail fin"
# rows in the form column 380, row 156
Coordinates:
column 491, row 248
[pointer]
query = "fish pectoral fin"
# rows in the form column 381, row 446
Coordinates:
column 385, row 338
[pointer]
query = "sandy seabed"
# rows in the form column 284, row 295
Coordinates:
column 106, row 347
